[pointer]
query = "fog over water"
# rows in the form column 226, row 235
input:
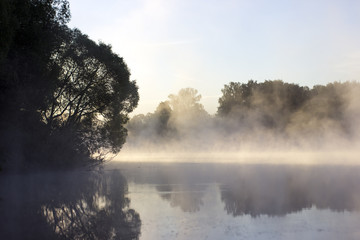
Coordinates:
column 276, row 161
column 183, row 201
column 272, row 120
column 248, row 157
column 251, row 201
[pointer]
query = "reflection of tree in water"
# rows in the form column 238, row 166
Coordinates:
column 270, row 197
column 73, row 206
column 180, row 184
column 187, row 197
column 279, row 191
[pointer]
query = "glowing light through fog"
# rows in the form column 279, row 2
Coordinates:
column 246, row 157
column 170, row 45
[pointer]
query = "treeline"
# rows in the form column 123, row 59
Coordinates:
column 63, row 98
column 254, row 115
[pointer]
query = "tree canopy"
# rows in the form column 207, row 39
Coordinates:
column 272, row 113
column 175, row 118
column 64, row 97
column 93, row 93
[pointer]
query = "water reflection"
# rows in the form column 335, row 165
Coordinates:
column 280, row 190
column 73, row 205
column 175, row 199
column 187, row 197
column 182, row 185
column 273, row 190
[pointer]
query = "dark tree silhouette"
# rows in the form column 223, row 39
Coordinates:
column 63, row 98
column 93, row 94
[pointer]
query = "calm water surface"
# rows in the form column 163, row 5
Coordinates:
column 183, row 201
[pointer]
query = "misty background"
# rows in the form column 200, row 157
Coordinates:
column 169, row 45
column 67, row 106
column 256, row 116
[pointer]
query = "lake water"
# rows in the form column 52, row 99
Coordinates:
column 184, row 201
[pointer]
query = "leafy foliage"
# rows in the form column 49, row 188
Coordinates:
column 64, row 97
column 93, row 94
column 252, row 114
column 173, row 119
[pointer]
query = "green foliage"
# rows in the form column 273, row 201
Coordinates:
column 33, row 31
column 288, row 108
column 253, row 114
column 236, row 96
column 58, row 84
column 93, row 93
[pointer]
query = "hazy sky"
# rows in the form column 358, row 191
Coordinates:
column 204, row 44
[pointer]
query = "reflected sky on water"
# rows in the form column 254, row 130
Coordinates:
column 230, row 201
column 183, row 201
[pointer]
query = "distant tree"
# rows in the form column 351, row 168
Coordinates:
column 137, row 123
column 268, row 104
column 163, row 114
column 186, row 101
column 275, row 101
column 325, row 111
column 151, row 128
column 236, row 97
column 181, row 116
column 187, row 111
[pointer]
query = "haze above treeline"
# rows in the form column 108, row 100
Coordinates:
column 65, row 101
column 270, row 115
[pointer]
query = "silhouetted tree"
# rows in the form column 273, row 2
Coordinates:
column 236, row 97
column 32, row 30
column 93, row 94
column 163, row 114
column 63, row 97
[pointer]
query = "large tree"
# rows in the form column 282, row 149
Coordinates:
column 93, row 94
column 31, row 32
column 63, row 96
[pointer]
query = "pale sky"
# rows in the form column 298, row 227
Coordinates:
column 204, row 44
